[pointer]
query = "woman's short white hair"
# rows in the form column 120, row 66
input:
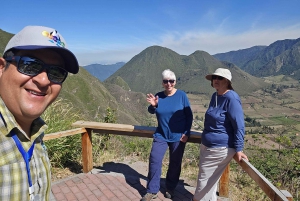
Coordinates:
column 168, row 74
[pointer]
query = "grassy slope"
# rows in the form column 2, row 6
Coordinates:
column 92, row 98
column 4, row 38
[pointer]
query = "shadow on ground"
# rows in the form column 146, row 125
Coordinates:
column 73, row 167
column 132, row 177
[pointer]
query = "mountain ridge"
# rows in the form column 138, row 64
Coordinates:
column 143, row 72
column 280, row 57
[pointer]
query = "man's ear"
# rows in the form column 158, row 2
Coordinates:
column 2, row 65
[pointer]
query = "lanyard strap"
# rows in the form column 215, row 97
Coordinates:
column 26, row 156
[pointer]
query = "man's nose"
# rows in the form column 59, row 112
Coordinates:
column 42, row 78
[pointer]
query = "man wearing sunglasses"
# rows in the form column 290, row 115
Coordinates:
column 35, row 63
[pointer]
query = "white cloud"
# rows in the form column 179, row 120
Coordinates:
column 188, row 42
column 217, row 42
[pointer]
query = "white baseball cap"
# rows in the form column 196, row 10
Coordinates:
column 223, row 72
column 39, row 37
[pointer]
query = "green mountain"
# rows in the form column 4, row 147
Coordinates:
column 280, row 58
column 143, row 72
column 91, row 99
column 121, row 83
column 4, row 38
column 286, row 63
column 240, row 57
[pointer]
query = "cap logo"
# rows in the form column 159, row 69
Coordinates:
column 54, row 38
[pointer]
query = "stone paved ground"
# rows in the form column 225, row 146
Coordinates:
column 124, row 180
column 110, row 186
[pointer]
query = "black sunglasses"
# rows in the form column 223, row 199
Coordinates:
column 216, row 77
column 166, row 81
column 32, row 67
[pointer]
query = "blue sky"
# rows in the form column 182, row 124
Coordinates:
column 110, row 31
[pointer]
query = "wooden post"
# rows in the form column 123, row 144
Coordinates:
column 87, row 158
column 287, row 195
column 224, row 183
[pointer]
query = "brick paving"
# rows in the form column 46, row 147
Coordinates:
column 111, row 186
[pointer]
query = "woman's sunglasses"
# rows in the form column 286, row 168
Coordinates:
column 32, row 67
column 166, row 81
column 216, row 77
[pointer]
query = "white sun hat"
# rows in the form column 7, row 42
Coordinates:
column 223, row 72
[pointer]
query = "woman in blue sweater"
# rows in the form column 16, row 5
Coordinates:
column 222, row 137
column 174, row 117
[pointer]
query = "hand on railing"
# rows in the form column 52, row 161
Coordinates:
column 239, row 155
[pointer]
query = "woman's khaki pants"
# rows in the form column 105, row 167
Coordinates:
column 212, row 163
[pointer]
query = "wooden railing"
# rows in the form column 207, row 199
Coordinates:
column 86, row 129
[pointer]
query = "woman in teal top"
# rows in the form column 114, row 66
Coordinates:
column 174, row 117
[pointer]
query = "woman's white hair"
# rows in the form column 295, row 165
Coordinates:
column 168, row 74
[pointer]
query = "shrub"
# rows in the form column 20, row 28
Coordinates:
column 66, row 150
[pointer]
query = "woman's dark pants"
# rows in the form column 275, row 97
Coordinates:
column 159, row 148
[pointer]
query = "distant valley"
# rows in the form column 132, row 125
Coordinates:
column 101, row 71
